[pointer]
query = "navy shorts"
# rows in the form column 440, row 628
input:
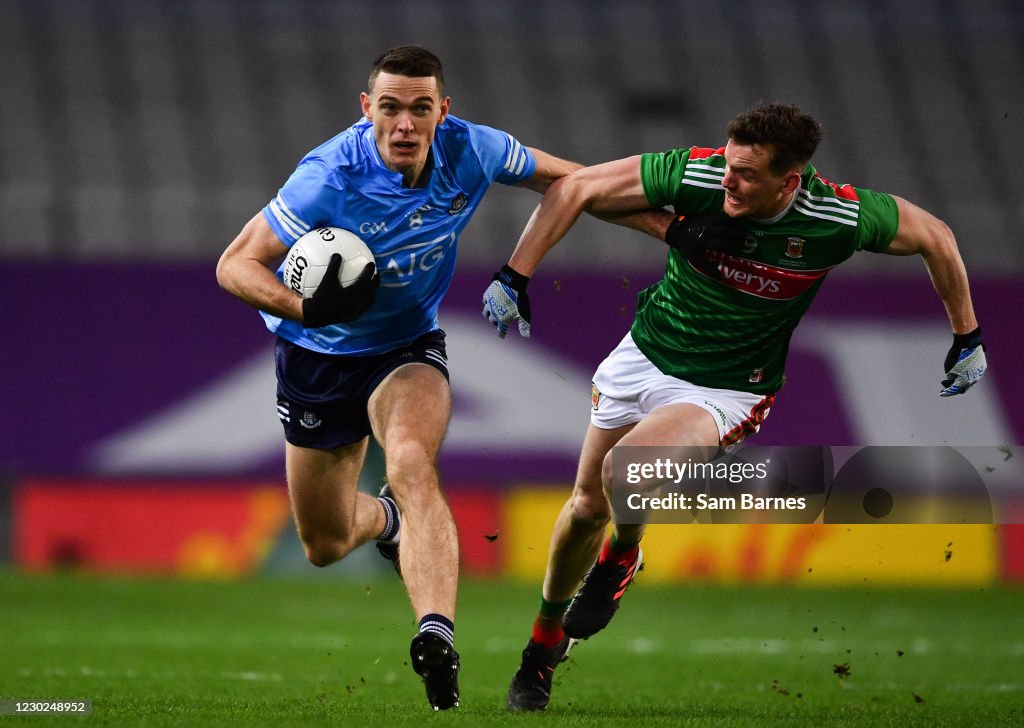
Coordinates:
column 322, row 398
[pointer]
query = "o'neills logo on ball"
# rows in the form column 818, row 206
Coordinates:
column 294, row 274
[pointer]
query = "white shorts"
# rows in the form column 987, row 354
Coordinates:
column 628, row 387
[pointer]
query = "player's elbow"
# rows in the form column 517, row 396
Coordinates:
column 223, row 272
column 220, row 272
column 229, row 276
column 944, row 235
column 575, row 191
column 940, row 242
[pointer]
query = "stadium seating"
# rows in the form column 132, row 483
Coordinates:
column 155, row 129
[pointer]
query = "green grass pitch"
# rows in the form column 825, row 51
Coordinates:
column 283, row 652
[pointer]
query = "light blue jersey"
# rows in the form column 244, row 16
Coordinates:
column 413, row 233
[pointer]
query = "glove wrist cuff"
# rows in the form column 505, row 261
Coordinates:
column 965, row 341
column 309, row 313
column 670, row 231
column 512, row 278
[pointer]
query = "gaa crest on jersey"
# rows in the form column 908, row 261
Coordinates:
column 794, row 247
column 595, row 396
column 756, row 376
column 310, row 421
column 458, row 204
column 749, row 245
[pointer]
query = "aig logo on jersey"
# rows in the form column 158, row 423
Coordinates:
column 794, row 247
column 408, row 260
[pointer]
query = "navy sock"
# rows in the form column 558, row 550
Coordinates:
column 440, row 625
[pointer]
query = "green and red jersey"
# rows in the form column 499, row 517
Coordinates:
column 725, row 321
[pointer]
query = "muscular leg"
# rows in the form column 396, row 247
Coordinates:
column 409, row 413
column 673, row 425
column 331, row 515
column 577, row 541
column 579, row 529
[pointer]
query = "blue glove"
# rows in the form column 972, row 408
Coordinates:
column 505, row 301
column 965, row 363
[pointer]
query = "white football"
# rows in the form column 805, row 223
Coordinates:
column 307, row 259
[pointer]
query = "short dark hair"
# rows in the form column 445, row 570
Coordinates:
column 408, row 60
column 791, row 135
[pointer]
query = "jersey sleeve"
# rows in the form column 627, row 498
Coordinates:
column 879, row 220
column 503, row 158
column 688, row 179
column 661, row 174
column 311, row 197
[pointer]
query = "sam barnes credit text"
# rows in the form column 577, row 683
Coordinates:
column 705, row 502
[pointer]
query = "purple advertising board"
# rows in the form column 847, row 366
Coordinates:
column 151, row 368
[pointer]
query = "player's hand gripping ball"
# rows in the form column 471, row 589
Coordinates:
column 334, row 272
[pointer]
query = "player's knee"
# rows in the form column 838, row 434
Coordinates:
column 590, row 509
column 321, row 557
column 606, row 472
column 410, row 469
column 324, row 550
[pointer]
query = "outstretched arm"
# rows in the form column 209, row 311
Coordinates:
column 611, row 191
column 923, row 234
column 549, row 168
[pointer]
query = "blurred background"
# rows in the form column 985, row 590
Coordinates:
column 138, row 430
